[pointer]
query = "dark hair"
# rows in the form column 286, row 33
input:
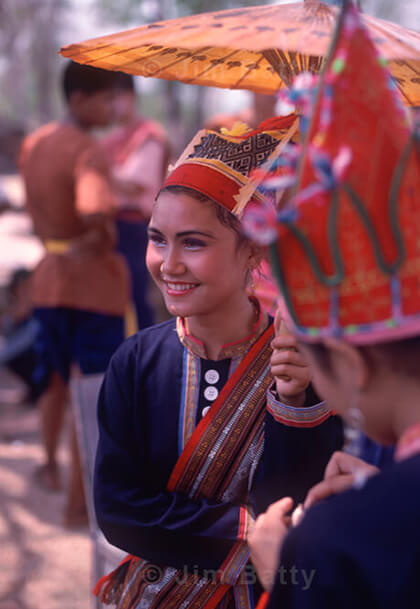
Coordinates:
column 86, row 79
column 124, row 82
column 224, row 216
column 400, row 356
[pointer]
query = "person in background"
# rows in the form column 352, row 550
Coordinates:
column 20, row 331
column 80, row 288
column 138, row 151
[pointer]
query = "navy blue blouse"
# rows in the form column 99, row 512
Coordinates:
column 140, row 440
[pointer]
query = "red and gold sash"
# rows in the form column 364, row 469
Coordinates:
column 215, row 464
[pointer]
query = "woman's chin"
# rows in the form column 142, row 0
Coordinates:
column 178, row 309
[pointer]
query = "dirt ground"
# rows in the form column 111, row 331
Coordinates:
column 42, row 564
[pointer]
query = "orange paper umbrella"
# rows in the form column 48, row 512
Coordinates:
column 258, row 48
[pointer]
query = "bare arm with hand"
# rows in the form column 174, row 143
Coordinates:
column 266, row 539
column 342, row 473
column 288, row 366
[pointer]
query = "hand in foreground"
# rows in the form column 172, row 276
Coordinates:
column 288, row 367
column 266, row 539
column 342, row 472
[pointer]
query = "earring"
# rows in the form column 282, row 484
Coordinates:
column 353, row 427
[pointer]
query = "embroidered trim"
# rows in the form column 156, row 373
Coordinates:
column 234, row 363
column 243, row 596
column 229, row 350
column 297, row 417
column 232, row 567
column 242, row 394
column 189, row 397
column 246, row 522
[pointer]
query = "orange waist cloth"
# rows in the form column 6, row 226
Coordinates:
column 96, row 283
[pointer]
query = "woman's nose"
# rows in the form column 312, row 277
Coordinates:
column 172, row 264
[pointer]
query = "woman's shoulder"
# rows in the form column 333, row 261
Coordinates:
column 149, row 342
column 157, row 333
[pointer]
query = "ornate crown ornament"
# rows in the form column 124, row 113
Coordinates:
column 220, row 165
column 346, row 253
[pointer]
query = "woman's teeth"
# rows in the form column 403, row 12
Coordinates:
column 178, row 287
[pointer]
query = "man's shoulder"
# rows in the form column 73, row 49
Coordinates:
column 57, row 136
column 38, row 135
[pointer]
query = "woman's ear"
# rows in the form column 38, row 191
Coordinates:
column 349, row 364
column 256, row 256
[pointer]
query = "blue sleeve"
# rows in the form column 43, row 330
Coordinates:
column 133, row 509
column 297, row 447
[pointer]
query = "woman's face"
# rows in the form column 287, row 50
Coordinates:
column 349, row 381
column 194, row 259
column 328, row 385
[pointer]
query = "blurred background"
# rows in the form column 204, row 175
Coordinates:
column 42, row 564
column 32, row 31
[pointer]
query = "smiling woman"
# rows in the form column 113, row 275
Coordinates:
column 200, row 270
column 186, row 439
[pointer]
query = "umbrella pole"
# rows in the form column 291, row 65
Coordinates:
column 288, row 64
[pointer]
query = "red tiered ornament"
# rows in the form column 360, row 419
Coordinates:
column 347, row 255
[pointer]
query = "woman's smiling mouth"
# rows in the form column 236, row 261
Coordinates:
column 179, row 288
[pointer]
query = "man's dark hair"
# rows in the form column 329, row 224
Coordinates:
column 86, row 79
column 124, row 82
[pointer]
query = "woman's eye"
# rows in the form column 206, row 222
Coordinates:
column 157, row 241
column 191, row 243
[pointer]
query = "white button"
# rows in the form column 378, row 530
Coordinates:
column 212, row 376
column 205, row 411
column 210, row 393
